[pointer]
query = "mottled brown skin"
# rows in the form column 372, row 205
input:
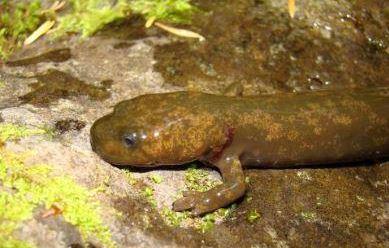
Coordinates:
column 228, row 132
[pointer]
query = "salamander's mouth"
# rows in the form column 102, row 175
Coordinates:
column 122, row 163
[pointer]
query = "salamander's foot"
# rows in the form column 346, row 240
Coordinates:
column 220, row 196
column 199, row 203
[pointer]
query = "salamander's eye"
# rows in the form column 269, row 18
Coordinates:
column 130, row 139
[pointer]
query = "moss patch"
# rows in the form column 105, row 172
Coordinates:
column 86, row 17
column 176, row 11
column 17, row 21
column 155, row 178
column 89, row 16
column 148, row 192
column 253, row 215
column 24, row 188
column 309, row 216
column 195, row 179
column 130, row 177
column 173, row 218
column 13, row 132
column 199, row 179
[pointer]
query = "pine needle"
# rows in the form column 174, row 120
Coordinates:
column 150, row 22
column 179, row 31
column 47, row 25
column 291, row 8
column 44, row 28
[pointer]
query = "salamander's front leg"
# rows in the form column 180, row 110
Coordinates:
column 233, row 187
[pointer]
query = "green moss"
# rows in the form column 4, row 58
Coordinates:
column 207, row 222
column 173, row 218
column 13, row 243
column 156, row 178
column 309, row 216
column 130, row 177
column 17, row 21
column 149, row 194
column 24, row 188
column 176, row 11
column 253, row 215
column 88, row 16
column 13, row 132
column 199, row 179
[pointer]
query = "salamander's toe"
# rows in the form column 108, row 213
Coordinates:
column 184, row 203
column 197, row 203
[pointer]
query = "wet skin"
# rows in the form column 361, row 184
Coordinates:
column 227, row 132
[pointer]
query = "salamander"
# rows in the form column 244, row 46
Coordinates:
column 231, row 132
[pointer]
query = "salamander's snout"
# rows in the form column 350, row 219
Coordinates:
column 94, row 136
column 97, row 133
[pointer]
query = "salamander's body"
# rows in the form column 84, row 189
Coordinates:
column 265, row 131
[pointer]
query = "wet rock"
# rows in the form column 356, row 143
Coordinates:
column 55, row 84
column 252, row 42
column 58, row 55
column 257, row 43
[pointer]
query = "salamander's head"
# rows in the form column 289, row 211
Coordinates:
column 157, row 129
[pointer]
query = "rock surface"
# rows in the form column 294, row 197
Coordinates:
column 342, row 206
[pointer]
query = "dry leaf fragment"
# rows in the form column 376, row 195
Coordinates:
column 44, row 28
column 179, row 31
column 150, row 22
column 291, row 8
